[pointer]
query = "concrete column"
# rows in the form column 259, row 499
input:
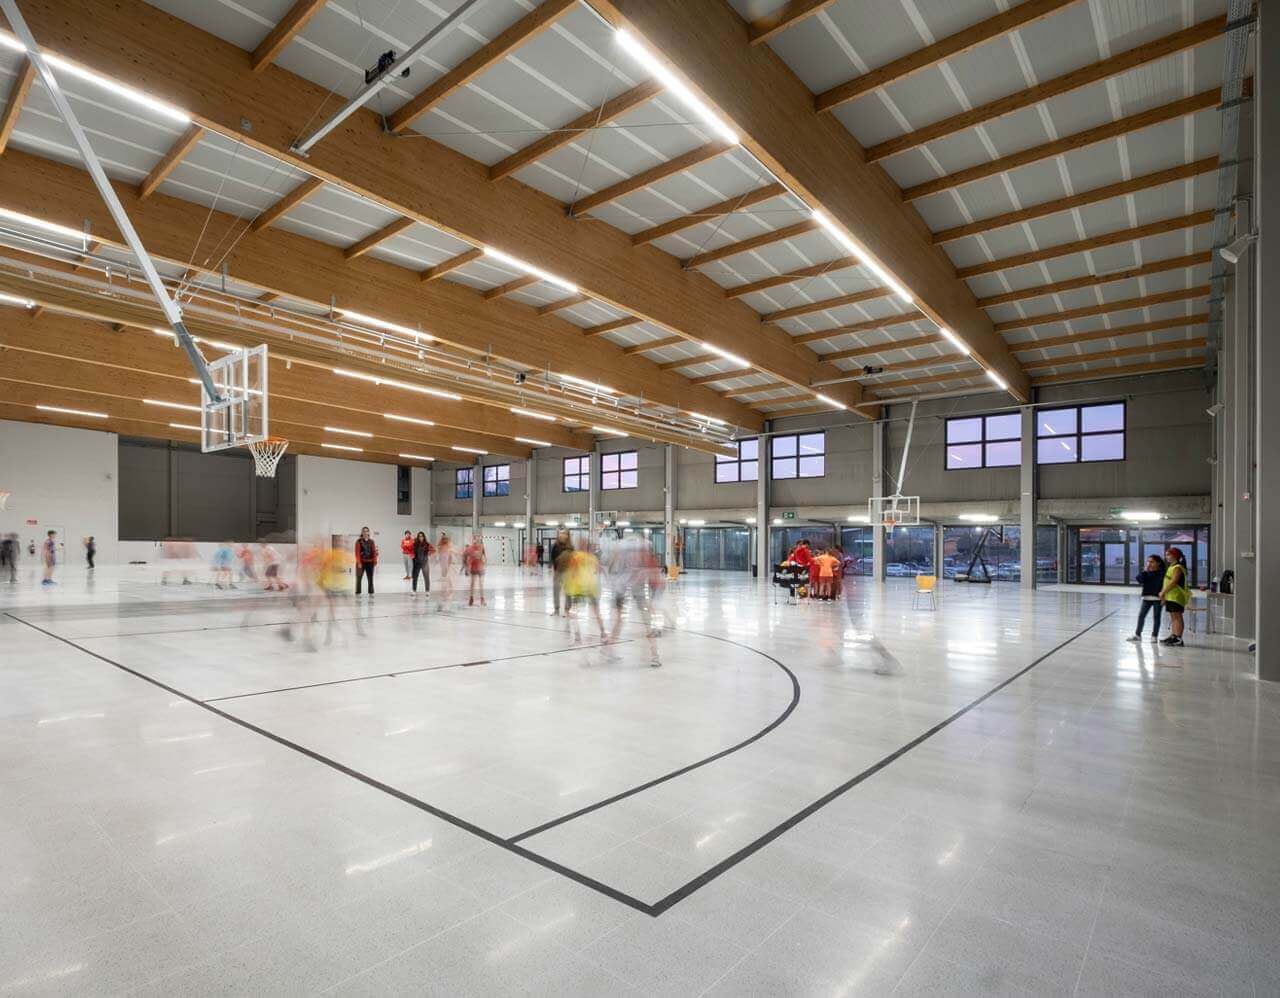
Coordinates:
column 477, row 486
column 764, row 570
column 878, row 430
column 422, row 484
column 669, row 504
column 593, row 492
column 530, row 489
column 1266, row 263
column 1239, row 288
column 1028, row 498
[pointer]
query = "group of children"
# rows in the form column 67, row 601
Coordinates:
column 826, row 569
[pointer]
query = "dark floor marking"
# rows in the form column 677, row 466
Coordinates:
column 405, row 672
column 795, row 700
column 676, row 896
column 476, row 830
column 729, row 862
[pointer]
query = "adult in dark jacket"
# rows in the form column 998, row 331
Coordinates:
column 1150, row 579
column 422, row 552
column 366, row 559
column 560, row 551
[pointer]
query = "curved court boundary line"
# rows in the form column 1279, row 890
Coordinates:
column 795, row 700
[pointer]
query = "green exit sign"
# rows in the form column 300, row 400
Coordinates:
column 788, row 516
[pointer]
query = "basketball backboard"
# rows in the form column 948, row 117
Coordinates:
column 893, row 511
column 241, row 417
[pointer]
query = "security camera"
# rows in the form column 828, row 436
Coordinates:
column 1232, row 251
column 1214, row 409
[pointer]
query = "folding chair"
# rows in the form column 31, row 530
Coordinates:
column 926, row 591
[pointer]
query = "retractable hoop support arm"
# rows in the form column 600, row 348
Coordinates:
column 172, row 311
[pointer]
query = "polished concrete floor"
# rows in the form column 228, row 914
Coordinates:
column 1001, row 796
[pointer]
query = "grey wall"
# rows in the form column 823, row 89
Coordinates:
column 647, row 495
column 848, row 466
column 550, row 498
column 696, row 486
column 443, row 482
column 172, row 490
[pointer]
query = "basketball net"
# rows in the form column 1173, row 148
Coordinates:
column 267, row 454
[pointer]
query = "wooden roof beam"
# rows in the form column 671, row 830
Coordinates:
column 273, row 213
column 702, row 358
column 1123, row 62
column 1166, row 346
column 611, row 109
column 450, row 265
column 809, row 307
column 1112, row 333
column 528, row 27
column 874, row 349
column 1099, row 374
column 1097, row 280
column 789, row 14
column 649, row 177
column 728, row 206
column 16, row 100
column 668, row 341
column 858, row 327
column 511, row 287
column 791, row 277
column 170, row 160
column 609, row 327
column 754, row 243
column 1121, row 305
column 708, row 379
column 1085, row 245
column 932, row 379
column 283, row 33
column 962, row 41
column 378, row 238
column 1091, row 136
column 562, row 304
column 1094, row 196
column 768, row 386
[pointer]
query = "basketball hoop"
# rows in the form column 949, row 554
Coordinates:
column 4, row 497
column 267, row 454
column 893, row 511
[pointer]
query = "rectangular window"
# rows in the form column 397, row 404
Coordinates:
column 618, row 470
column 404, row 490
column 497, row 480
column 1078, row 433
column 743, row 468
column 984, row 442
column 799, row 455
column 463, row 483
column 577, row 474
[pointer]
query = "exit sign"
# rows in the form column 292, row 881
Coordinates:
column 788, row 516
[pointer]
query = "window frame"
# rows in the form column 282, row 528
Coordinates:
column 737, row 462
column 618, row 455
column 582, row 476
column 797, row 456
column 1079, row 434
column 497, row 479
column 464, row 482
column 981, row 443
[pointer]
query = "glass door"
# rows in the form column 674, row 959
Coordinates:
column 1115, row 563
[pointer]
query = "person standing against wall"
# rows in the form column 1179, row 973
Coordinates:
column 422, row 551
column 406, row 550
column 1175, row 594
column 90, row 549
column 49, row 555
column 366, row 559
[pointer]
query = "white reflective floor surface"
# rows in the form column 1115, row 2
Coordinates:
column 1001, row 796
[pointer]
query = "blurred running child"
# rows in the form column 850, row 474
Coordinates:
column 9, row 547
column 245, row 556
column 271, row 569
column 582, row 584
column 422, row 551
column 366, row 555
column 473, row 560
column 561, row 550
column 444, row 568
column 222, row 559
column 49, row 556
column 406, row 549
column 635, row 574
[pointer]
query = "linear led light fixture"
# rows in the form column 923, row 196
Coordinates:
column 72, row 412
column 603, row 389
column 999, row 381
column 40, row 223
column 15, row 300
column 623, row 523
column 708, row 419
column 551, row 523
column 468, row 450
column 721, row 352
column 954, row 340
column 391, row 327
column 532, row 415
column 350, row 433
column 533, row 443
column 408, row 419
column 530, row 269
column 858, row 518
column 417, row 457
column 1141, row 516
column 840, row 236
column 674, row 85
column 696, row 523
column 216, row 344
column 828, row 400
column 979, row 517
column 172, row 405
column 374, row 379
column 185, row 426
column 605, row 429
column 128, row 93
column 358, row 450
column 498, row 523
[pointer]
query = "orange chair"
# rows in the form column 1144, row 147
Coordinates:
column 926, row 589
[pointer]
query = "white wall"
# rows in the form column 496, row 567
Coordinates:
column 336, row 496
column 64, row 478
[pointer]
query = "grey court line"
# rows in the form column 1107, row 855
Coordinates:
column 407, row 672
column 679, row 894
